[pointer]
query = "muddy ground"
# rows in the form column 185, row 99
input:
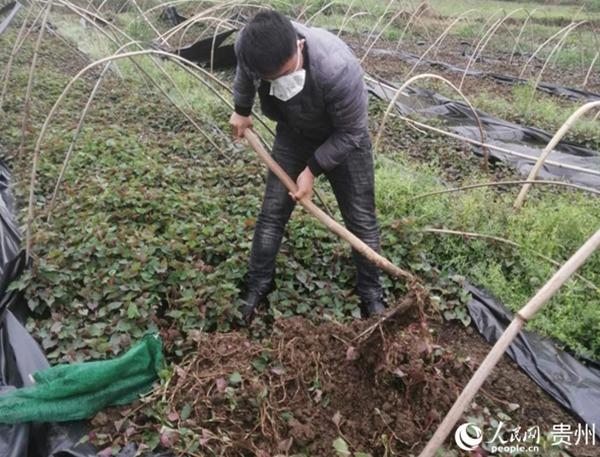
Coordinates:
column 381, row 387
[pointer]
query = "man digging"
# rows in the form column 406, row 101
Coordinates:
column 312, row 85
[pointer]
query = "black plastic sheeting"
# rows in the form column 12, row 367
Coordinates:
column 9, row 10
column 20, row 355
column 513, row 137
column 170, row 15
column 572, row 384
column 553, row 89
column 209, row 50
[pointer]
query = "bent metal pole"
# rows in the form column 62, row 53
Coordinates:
column 313, row 209
column 521, row 318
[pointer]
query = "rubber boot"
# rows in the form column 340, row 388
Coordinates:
column 252, row 299
column 372, row 307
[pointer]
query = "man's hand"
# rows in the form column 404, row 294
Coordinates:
column 239, row 123
column 305, row 185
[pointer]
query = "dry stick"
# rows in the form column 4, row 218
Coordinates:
column 437, row 49
column 14, row 51
column 381, row 16
column 206, row 14
column 505, row 183
column 514, row 49
column 73, row 140
column 418, row 11
column 554, row 49
column 485, row 27
column 303, row 10
column 31, row 27
column 194, row 21
column 180, row 62
column 319, row 12
column 589, row 72
column 313, row 209
column 474, row 52
column 551, row 145
column 429, row 75
column 534, row 55
column 212, row 45
column 122, row 8
column 505, row 241
column 25, row 120
column 360, row 13
column 498, row 148
column 379, row 35
column 219, row 22
column 81, row 55
column 345, row 17
column 482, row 44
column 438, row 41
column 84, row 14
column 150, row 24
column 511, row 332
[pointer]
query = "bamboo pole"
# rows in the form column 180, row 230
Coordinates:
column 498, row 239
column 331, row 224
column 589, row 72
column 551, row 145
column 345, row 17
column 556, row 47
column 498, row 148
column 14, row 51
column 392, row 103
column 27, row 103
column 420, row 9
column 381, row 16
column 512, row 53
column 485, row 39
column 376, row 39
column 438, row 41
column 521, row 318
column 319, row 12
column 534, row 55
column 506, row 183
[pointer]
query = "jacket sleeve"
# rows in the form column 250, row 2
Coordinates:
column 346, row 102
column 244, row 89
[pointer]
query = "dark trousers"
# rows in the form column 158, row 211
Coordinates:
column 353, row 185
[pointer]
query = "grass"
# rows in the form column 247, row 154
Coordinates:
column 552, row 224
column 526, row 107
column 547, row 10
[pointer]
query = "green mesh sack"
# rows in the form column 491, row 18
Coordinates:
column 78, row 391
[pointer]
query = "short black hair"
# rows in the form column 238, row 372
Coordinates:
column 268, row 41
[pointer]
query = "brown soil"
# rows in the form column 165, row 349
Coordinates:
column 308, row 385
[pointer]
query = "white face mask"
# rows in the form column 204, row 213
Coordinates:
column 286, row 86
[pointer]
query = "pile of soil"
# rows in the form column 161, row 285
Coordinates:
column 382, row 387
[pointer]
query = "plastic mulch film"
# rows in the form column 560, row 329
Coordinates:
column 573, row 384
column 521, row 145
column 7, row 13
